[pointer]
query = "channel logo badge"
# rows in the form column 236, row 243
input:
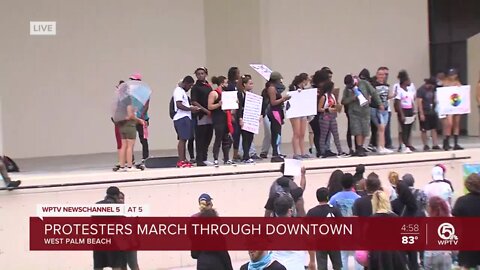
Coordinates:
column 43, row 28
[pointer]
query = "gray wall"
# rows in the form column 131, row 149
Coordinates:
column 56, row 91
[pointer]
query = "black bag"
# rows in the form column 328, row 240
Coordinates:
column 171, row 109
column 10, row 164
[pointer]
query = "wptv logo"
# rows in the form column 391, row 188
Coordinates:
column 446, row 233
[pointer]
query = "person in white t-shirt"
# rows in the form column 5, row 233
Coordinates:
column 182, row 118
column 439, row 187
column 405, row 107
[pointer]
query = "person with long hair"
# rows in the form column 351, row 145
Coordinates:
column 405, row 107
column 247, row 136
column 221, row 120
column 273, row 92
column 327, row 107
column 451, row 122
column 437, row 259
column 299, row 124
column 335, row 183
column 381, row 260
column 380, row 118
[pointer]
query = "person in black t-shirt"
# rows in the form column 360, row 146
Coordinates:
column 326, row 210
column 362, row 207
column 427, row 114
column 204, row 128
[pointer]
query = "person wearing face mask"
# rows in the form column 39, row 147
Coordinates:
column 222, row 121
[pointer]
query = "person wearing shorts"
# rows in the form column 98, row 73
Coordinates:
column 426, row 103
column 379, row 118
column 182, row 120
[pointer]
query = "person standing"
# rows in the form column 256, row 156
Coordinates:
column 411, row 90
column 318, row 79
column 405, row 107
column 359, row 114
column 426, row 104
column 247, row 136
column 299, row 124
column 439, row 186
column 327, row 107
column 11, row 184
column 262, row 260
column 362, row 207
column 451, row 122
column 182, row 119
column 380, row 118
column 222, row 122
column 233, row 77
column 143, row 114
column 118, row 136
column 273, row 92
column 467, row 206
column 132, row 259
column 204, row 129
column 323, row 210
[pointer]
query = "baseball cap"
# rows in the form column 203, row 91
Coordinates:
column 452, row 71
column 201, row 68
column 408, row 179
column 437, row 173
column 136, row 76
column 113, row 190
column 275, row 76
column 205, row 197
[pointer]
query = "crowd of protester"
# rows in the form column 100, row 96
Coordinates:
column 196, row 118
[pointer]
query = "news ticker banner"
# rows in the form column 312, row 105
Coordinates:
column 88, row 210
column 253, row 233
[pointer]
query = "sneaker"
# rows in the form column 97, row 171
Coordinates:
column 310, row 150
column 13, row 184
column 351, row 152
column 283, row 156
column 306, row 156
column 457, row 147
column 413, row 149
column 228, row 162
column 436, row 147
column 297, row 157
column 446, row 146
column 426, row 148
column 263, row 155
column 361, row 152
column 249, row 161
column 201, row 164
column 370, row 148
column 180, row 164
column 209, row 163
column 384, row 151
column 406, row 150
column 276, row 159
column 256, row 157
column 343, row 155
column 215, row 163
column 193, row 161
column 132, row 169
column 329, row 153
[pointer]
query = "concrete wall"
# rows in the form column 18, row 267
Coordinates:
column 234, row 195
column 473, row 56
column 57, row 90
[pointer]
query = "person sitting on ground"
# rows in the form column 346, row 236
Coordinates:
column 323, row 209
column 362, row 207
column 262, row 260
column 11, row 184
column 286, row 184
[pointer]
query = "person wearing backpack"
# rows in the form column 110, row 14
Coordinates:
column 183, row 118
column 323, row 210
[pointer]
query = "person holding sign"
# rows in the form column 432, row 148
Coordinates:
column 404, row 105
column 247, row 136
column 356, row 96
column 299, row 124
column 451, row 123
column 221, row 120
column 275, row 111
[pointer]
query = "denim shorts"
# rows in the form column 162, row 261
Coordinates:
column 379, row 117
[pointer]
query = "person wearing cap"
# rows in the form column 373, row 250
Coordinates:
column 143, row 114
column 467, row 206
column 273, row 93
column 204, row 202
column 359, row 114
column 204, row 129
column 451, row 123
column 117, row 260
column 439, row 186
column 426, row 104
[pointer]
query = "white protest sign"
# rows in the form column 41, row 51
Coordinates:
column 453, row 100
column 293, row 167
column 263, row 70
column 229, row 100
column 302, row 103
column 251, row 112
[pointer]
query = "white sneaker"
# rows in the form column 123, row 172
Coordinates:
column 132, row 169
column 209, row 163
column 388, row 151
column 384, row 151
column 406, row 150
column 215, row 162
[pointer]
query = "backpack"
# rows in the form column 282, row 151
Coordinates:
column 171, row 109
column 422, row 201
column 284, row 191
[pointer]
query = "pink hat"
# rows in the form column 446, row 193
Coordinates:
column 136, row 76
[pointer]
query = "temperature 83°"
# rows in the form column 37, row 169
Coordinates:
column 409, row 239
